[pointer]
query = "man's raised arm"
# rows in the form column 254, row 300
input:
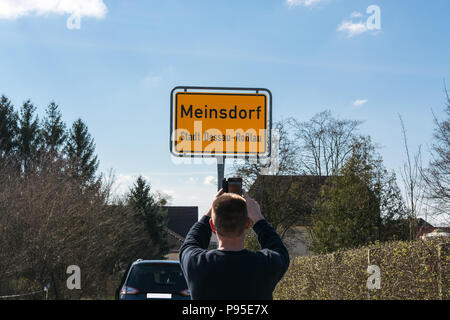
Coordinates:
column 199, row 236
column 268, row 238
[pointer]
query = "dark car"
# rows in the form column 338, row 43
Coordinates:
column 153, row 279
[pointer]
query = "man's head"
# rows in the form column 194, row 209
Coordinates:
column 229, row 215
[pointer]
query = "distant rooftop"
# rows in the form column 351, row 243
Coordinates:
column 298, row 192
column 181, row 219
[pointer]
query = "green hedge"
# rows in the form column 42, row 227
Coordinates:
column 408, row 270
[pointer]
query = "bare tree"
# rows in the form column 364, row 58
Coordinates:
column 412, row 182
column 317, row 147
column 48, row 223
column 437, row 176
column 324, row 143
column 284, row 153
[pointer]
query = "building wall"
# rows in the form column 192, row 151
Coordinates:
column 296, row 241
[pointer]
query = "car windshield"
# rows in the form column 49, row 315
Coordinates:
column 162, row 277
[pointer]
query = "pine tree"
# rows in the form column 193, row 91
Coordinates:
column 29, row 139
column 80, row 151
column 141, row 200
column 8, row 127
column 54, row 129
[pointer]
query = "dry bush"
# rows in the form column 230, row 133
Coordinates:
column 409, row 270
column 49, row 222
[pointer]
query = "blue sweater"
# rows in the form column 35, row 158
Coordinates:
column 232, row 275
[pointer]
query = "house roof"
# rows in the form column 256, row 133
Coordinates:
column 175, row 240
column 175, row 235
column 311, row 181
column 307, row 184
column 423, row 223
column 180, row 220
column 288, row 193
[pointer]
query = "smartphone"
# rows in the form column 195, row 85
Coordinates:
column 232, row 185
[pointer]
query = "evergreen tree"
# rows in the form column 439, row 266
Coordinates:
column 29, row 139
column 360, row 205
column 394, row 213
column 8, row 127
column 141, row 200
column 54, row 129
column 348, row 215
column 80, row 151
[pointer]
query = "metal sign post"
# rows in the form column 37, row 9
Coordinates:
column 220, row 171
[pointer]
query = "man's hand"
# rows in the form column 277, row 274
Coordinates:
column 253, row 209
column 218, row 194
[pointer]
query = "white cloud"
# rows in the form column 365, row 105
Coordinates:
column 14, row 9
column 210, row 180
column 358, row 26
column 122, row 184
column 303, row 3
column 168, row 192
column 352, row 28
column 360, row 102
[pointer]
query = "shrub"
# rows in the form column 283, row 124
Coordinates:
column 47, row 223
column 409, row 270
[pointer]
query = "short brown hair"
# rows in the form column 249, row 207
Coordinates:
column 230, row 215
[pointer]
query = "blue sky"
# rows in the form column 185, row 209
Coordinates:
column 116, row 71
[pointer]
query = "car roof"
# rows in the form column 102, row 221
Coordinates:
column 140, row 261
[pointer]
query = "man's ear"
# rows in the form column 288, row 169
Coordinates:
column 213, row 228
column 249, row 223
